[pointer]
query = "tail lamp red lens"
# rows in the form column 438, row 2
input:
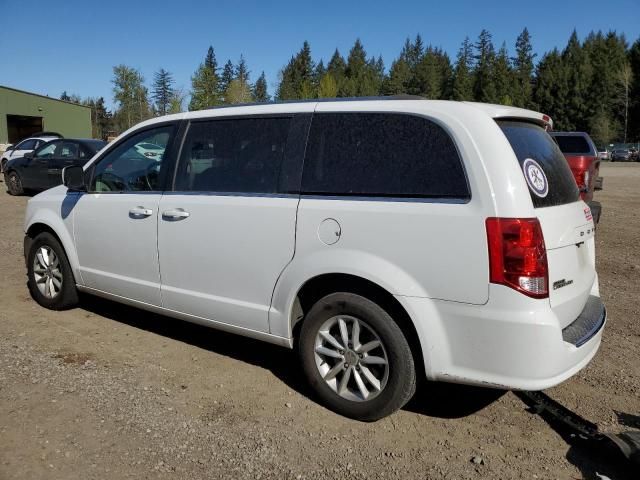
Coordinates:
column 582, row 178
column 517, row 255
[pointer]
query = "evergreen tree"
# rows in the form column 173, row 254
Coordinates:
column 318, row 73
column 523, row 71
column 163, row 91
column 579, row 78
column 228, row 74
column 484, row 89
column 606, row 54
column 239, row 90
column 260, row 93
column 432, row 75
column 503, row 77
column 361, row 79
column 337, row 67
column 397, row 82
column 103, row 120
column 305, row 72
column 241, row 71
column 463, row 73
column 551, row 89
column 298, row 76
column 205, row 84
column 634, row 94
column 65, row 97
column 100, row 117
column 287, row 88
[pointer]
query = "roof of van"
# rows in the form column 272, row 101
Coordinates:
column 311, row 105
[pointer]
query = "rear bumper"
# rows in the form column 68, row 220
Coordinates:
column 596, row 210
column 588, row 323
column 521, row 346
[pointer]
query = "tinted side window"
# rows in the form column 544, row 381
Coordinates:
column 48, row 150
column 128, row 168
column 69, row 150
column 574, row 144
column 531, row 141
column 234, row 155
column 380, row 154
column 27, row 145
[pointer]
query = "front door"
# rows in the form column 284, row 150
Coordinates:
column 227, row 231
column 35, row 172
column 65, row 156
column 115, row 223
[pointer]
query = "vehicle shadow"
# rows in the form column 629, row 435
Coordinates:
column 593, row 457
column 432, row 399
column 627, row 419
column 265, row 355
column 450, row 400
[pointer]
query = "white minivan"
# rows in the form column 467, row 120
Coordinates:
column 385, row 239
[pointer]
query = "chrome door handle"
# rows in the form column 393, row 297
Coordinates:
column 175, row 214
column 140, row 212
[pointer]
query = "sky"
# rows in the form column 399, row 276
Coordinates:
column 55, row 46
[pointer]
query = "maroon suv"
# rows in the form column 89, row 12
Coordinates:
column 582, row 155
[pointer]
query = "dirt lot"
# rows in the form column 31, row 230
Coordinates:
column 105, row 391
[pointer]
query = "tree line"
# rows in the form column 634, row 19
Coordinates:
column 591, row 85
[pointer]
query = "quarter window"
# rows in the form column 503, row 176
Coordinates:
column 234, row 155
column 380, row 154
column 127, row 167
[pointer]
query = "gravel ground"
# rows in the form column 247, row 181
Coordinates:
column 107, row 391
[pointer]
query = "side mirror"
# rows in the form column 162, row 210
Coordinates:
column 28, row 155
column 73, row 178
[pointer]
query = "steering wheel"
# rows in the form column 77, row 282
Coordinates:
column 151, row 175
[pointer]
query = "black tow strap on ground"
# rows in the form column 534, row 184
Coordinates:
column 551, row 411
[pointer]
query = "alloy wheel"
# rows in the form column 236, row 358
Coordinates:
column 351, row 358
column 47, row 272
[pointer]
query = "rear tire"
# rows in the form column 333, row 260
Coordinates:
column 376, row 359
column 50, row 278
column 14, row 183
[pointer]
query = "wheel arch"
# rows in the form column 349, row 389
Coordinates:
column 47, row 222
column 318, row 286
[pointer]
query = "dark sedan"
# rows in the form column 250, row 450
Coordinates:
column 622, row 155
column 42, row 169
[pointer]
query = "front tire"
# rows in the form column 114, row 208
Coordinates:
column 50, row 278
column 14, row 183
column 356, row 358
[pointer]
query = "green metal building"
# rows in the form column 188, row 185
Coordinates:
column 23, row 114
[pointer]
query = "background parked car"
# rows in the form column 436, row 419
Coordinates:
column 42, row 169
column 150, row 150
column 621, row 155
column 584, row 160
column 25, row 146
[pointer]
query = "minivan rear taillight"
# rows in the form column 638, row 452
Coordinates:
column 517, row 255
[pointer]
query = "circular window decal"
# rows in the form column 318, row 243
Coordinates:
column 536, row 178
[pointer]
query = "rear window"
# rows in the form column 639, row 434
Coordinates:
column 531, row 142
column 574, row 144
column 382, row 155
